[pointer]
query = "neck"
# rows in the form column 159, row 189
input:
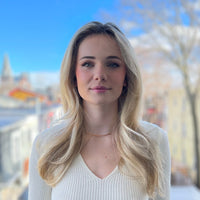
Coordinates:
column 99, row 135
column 100, row 120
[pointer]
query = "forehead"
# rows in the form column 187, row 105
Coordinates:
column 95, row 44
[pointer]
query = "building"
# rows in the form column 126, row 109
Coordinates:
column 180, row 132
column 18, row 88
column 8, row 81
column 27, row 96
column 154, row 110
column 18, row 129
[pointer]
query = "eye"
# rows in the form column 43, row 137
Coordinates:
column 87, row 64
column 113, row 64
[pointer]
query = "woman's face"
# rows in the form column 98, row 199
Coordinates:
column 100, row 70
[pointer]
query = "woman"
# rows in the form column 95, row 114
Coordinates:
column 100, row 150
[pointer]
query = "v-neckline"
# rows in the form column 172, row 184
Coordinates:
column 93, row 174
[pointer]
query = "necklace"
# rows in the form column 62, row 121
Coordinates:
column 99, row 135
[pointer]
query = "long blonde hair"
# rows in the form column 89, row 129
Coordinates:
column 136, row 149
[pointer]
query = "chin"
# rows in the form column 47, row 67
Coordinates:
column 101, row 103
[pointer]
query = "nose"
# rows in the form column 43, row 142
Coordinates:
column 100, row 73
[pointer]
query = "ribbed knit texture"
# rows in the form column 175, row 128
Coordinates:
column 80, row 183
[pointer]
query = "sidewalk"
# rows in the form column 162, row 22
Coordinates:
column 185, row 193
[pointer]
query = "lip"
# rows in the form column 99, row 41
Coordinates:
column 100, row 88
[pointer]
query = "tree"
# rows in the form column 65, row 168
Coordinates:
column 173, row 28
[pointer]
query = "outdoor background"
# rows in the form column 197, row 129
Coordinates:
column 34, row 35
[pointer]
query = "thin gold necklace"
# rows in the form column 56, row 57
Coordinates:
column 99, row 135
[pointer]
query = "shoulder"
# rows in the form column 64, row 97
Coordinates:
column 148, row 127
column 46, row 136
column 152, row 131
column 159, row 138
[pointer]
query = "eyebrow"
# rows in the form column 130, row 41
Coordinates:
column 92, row 57
column 87, row 57
column 113, row 57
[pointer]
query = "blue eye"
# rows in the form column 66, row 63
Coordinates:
column 87, row 64
column 113, row 65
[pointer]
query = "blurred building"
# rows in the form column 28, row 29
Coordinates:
column 27, row 96
column 9, row 102
column 180, row 132
column 155, row 110
column 18, row 129
column 8, row 81
column 23, row 114
column 16, row 89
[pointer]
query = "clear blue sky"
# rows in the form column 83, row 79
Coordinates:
column 35, row 34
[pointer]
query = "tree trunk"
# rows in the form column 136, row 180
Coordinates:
column 192, row 101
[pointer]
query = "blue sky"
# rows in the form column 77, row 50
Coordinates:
column 35, row 34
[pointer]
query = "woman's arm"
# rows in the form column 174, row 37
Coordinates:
column 38, row 189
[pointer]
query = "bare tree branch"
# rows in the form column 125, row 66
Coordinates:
column 172, row 28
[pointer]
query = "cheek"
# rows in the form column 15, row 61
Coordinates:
column 81, row 77
column 77, row 75
column 119, row 78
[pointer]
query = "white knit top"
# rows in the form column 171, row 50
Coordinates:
column 80, row 183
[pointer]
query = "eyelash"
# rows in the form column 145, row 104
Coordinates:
column 110, row 64
column 87, row 64
column 113, row 65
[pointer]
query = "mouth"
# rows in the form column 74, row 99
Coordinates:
column 100, row 88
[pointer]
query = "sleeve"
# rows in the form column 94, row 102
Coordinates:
column 38, row 189
column 165, row 154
